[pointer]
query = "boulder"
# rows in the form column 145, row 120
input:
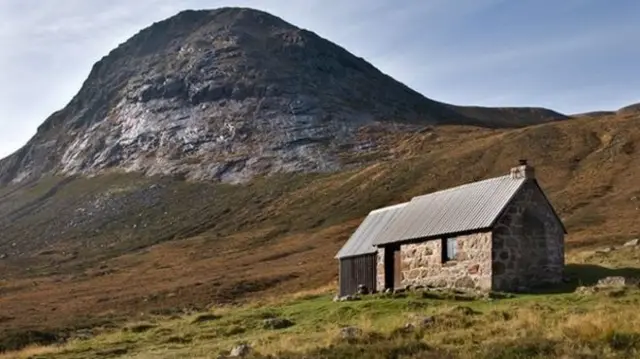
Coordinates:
column 585, row 290
column 617, row 282
column 240, row 351
column 350, row 332
column 633, row 243
column 346, row 298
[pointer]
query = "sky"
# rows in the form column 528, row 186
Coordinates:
column 569, row 55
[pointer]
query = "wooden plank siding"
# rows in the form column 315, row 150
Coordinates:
column 355, row 271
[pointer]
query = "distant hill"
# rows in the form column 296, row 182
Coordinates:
column 630, row 110
column 510, row 116
column 624, row 111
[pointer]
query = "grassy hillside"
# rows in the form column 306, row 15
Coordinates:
column 83, row 252
column 404, row 325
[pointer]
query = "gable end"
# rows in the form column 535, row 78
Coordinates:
column 539, row 189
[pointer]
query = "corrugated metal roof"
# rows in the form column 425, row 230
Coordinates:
column 360, row 241
column 469, row 207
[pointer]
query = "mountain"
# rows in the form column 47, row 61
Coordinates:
column 227, row 95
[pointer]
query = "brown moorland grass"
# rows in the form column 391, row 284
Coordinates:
column 602, row 325
column 168, row 246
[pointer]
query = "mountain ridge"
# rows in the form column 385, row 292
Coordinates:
column 228, row 94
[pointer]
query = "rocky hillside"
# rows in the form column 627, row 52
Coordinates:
column 228, row 94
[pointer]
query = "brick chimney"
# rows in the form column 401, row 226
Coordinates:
column 523, row 170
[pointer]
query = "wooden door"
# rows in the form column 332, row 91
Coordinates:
column 397, row 269
column 389, row 268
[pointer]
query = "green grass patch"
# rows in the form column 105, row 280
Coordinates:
column 413, row 326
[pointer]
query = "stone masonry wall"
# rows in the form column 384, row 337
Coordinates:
column 422, row 263
column 528, row 243
column 380, row 271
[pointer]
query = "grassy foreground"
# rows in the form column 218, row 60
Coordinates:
column 563, row 324
column 601, row 325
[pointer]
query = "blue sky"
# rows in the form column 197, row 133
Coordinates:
column 569, row 55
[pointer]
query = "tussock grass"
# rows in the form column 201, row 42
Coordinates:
column 526, row 326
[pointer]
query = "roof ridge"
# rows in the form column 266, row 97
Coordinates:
column 395, row 206
column 462, row 186
column 469, row 207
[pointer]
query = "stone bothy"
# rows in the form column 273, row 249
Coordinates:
column 498, row 234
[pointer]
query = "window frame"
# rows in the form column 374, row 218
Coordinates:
column 449, row 249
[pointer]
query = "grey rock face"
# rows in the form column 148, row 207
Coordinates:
column 240, row 351
column 227, row 95
column 350, row 332
column 617, row 282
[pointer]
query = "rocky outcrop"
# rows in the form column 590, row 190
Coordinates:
column 224, row 94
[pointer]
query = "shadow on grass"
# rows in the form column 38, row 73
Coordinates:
column 587, row 275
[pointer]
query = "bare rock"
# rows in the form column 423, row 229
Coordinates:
column 214, row 109
column 409, row 327
column 346, row 298
column 617, row 282
column 424, row 322
column 584, row 290
column 350, row 332
column 633, row 243
column 240, row 351
column 606, row 250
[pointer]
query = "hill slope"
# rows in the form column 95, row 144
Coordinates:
column 229, row 94
column 127, row 243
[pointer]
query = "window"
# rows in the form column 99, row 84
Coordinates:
column 449, row 249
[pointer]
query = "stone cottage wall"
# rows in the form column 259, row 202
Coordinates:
column 422, row 263
column 380, row 271
column 528, row 243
